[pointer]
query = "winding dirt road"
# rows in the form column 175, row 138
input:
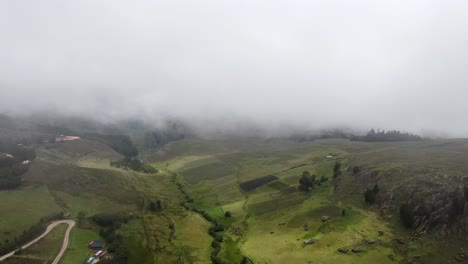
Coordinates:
column 50, row 227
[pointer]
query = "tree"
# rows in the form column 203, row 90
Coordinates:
column 376, row 189
column 356, row 169
column 465, row 191
column 307, row 181
column 369, row 196
column 406, row 215
column 457, row 208
column 336, row 169
column 156, row 206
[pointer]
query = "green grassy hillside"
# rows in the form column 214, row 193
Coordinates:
column 268, row 224
column 202, row 206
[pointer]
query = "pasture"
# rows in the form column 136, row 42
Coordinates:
column 270, row 218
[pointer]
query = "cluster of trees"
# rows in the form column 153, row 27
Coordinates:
column 11, row 167
column 307, row 181
column 156, row 206
column 10, row 178
column 18, row 152
column 386, row 136
column 336, row 169
column 370, row 195
column 133, row 164
column 109, row 224
column 120, row 143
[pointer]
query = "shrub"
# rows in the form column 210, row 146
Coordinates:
column 369, row 196
column 406, row 215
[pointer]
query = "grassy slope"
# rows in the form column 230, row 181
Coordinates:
column 268, row 224
column 76, row 176
column 48, row 247
column 23, row 208
column 83, row 181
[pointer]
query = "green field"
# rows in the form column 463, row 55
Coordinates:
column 23, row 208
column 267, row 224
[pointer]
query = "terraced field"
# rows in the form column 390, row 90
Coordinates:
column 269, row 219
column 248, row 191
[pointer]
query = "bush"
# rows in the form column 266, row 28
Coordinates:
column 406, row 215
column 323, row 179
column 336, row 169
column 369, row 196
column 376, row 189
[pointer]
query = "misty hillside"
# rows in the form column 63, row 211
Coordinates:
column 233, row 132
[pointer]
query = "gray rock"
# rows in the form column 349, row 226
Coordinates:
column 309, row 241
column 400, row 241
column 343, row 250
column 358, row 249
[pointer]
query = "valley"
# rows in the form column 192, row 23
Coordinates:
column 238, row 201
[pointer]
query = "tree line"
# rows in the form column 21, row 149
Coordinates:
column 11, row 167
column 133, row 164
column 386, row 136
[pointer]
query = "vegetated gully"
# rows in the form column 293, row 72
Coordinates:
column 214, row 230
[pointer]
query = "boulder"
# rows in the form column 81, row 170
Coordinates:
column 358, row 249
column 325, row 218
column 343, row 250
column 400, row 241
column 309, row 241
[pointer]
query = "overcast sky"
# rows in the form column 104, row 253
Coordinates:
column 388, row 64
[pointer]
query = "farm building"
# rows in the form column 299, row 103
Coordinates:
column 6, row 155
column 96, row 244
column 62, row 138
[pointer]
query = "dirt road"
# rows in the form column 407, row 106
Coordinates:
column 50, row 227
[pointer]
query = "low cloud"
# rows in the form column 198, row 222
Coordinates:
column 278, row 65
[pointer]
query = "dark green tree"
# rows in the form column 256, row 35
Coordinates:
column 376, row 189
column 465, row 192
column 307, row 181
column 369, row 196
column 356, row 169
column 337, row 169
column 406, row 215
